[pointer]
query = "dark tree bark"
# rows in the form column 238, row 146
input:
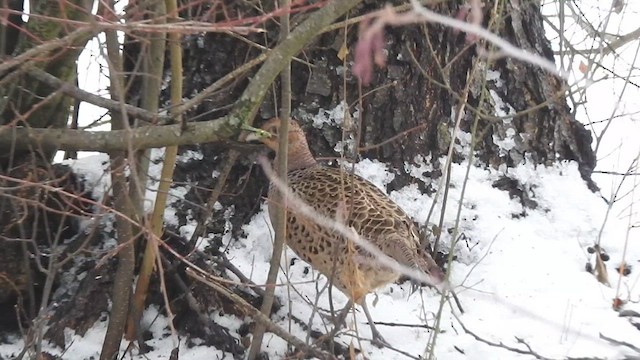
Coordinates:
column 25, row 100
column 407, row 110
column 35, row 220
column 406, row 114
column 413, row 95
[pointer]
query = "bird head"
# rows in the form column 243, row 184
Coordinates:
column 269, row 133
column 298, row 150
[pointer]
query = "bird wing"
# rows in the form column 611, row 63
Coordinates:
column 356, row 202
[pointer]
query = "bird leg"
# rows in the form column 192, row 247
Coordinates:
column 337, row 323
column 342, row 315
column 377, row 340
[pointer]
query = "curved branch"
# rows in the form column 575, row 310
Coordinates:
column 80, row 35
column 77, row 93
column 226, row 127
column 247, row 105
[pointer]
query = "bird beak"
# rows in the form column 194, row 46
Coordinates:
column 255, row 134
column 251, row 137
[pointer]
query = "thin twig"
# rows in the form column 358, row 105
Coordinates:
column 281, row 212
column 77, row 93
column 260, row 317
column 501, row 345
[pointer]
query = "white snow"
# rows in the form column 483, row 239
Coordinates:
column 508, row 142
column 332, row 117
column 94, row 170
column 518, row 277
column 89, row 346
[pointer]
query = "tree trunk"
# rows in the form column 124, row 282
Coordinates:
column 407, row 110
column 25, row 100
column 29, row 211
column 513, row 112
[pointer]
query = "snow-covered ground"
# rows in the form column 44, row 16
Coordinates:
column 518, row 277
column 520, row 273
column 521, row 279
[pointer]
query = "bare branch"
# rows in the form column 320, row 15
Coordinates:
column 259, row 317
column 77, row 93
column 36, row 52
column 281, row 213
column 211, row 131
column 144, row 137
column 247, row 105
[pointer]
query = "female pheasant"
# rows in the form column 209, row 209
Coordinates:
column 335, row 193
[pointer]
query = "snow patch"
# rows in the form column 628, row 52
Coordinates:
column 333, row 117
column 518, row 277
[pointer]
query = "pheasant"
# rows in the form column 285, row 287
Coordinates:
column 335, row 193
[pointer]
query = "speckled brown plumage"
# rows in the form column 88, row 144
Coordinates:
column 366, row 209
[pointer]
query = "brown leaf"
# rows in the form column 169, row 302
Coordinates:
column 343, row 52
column 583, row 68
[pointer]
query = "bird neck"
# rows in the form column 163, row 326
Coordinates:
column 298, row 158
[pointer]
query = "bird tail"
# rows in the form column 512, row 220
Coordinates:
column 416, row 258
column 424, row 262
